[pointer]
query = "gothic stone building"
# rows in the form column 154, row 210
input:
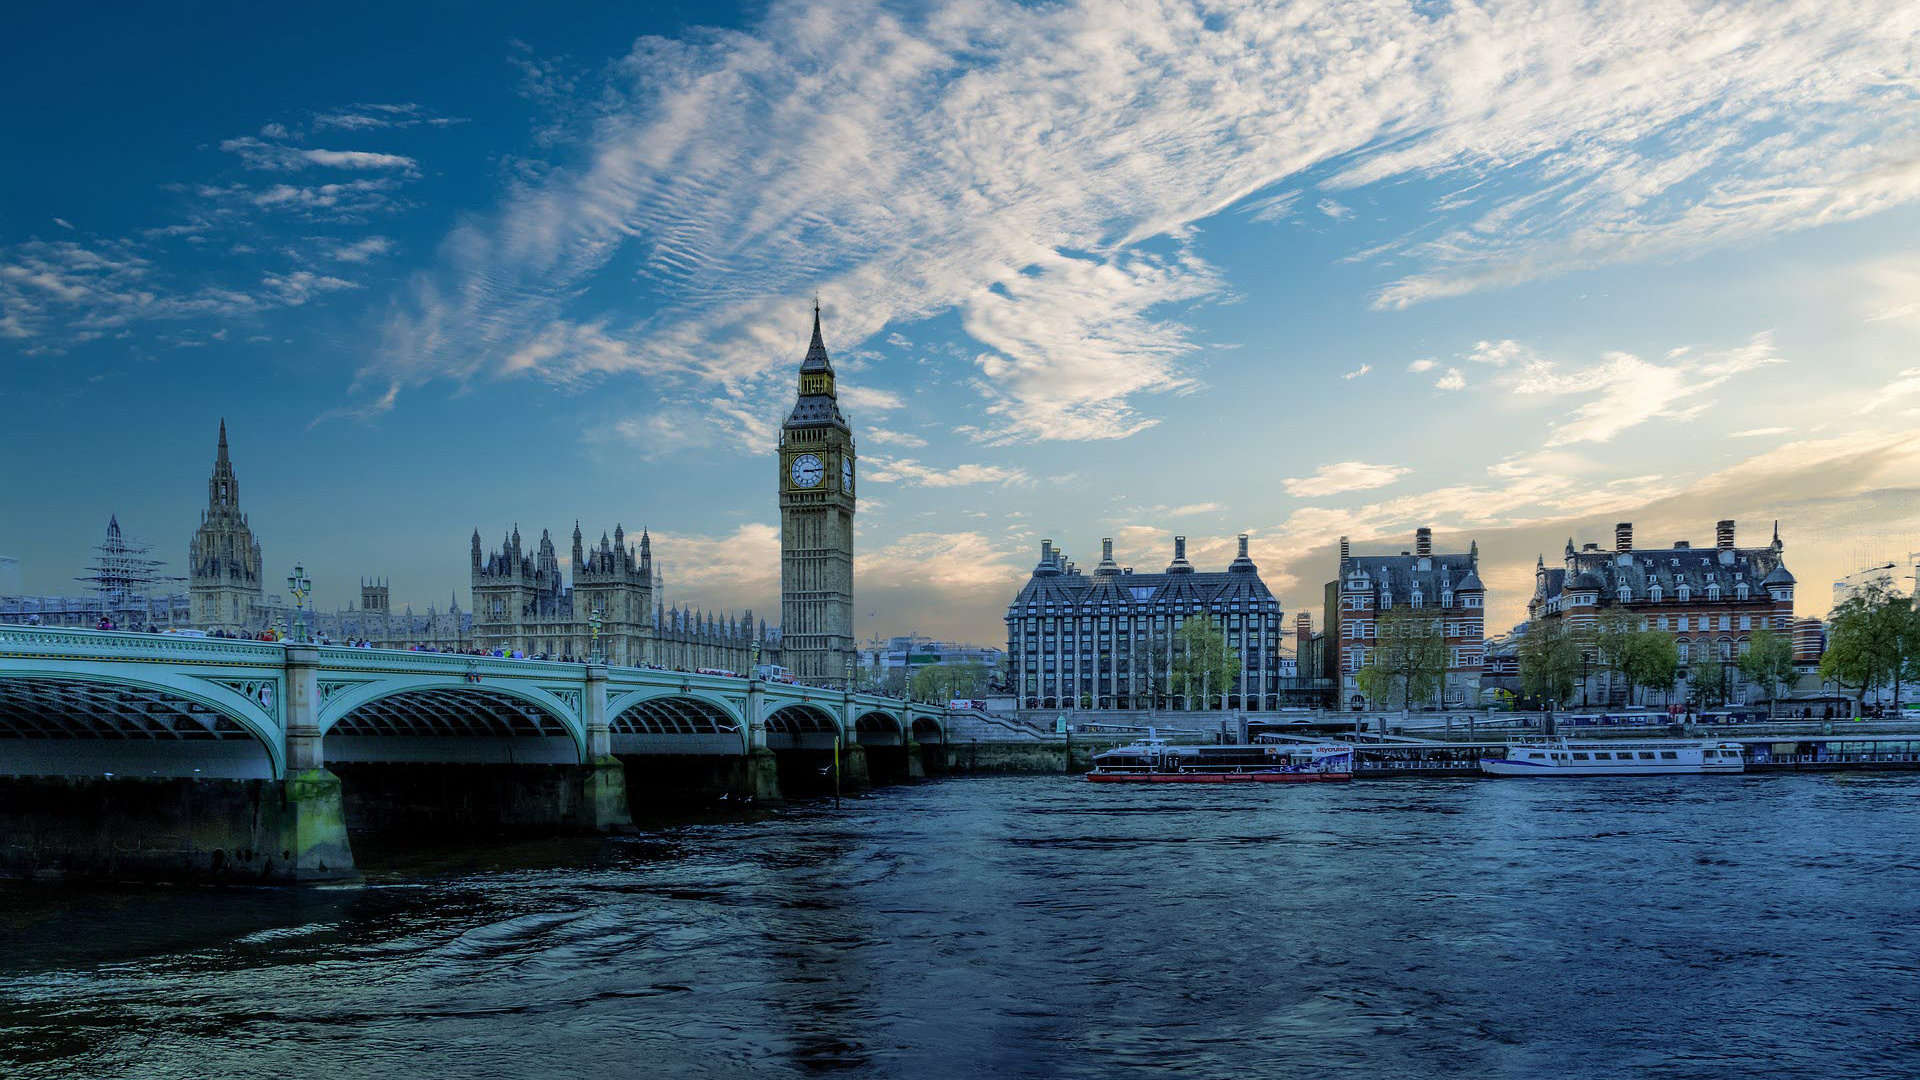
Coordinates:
column 223, row 561
column 1106, row 640
column 1369, row 585
column 816, row 527
column 521, row 600
column 1710, row 600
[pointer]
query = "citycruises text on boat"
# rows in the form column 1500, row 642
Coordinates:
column 1152, row 761
column 1614, row 757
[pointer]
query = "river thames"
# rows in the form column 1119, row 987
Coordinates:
column 1040, row 927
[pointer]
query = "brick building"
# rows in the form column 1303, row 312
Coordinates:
column 1711, row 600
column 1371, row 584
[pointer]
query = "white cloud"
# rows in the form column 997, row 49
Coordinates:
column 1759, row 432
column 1500, row 353
column 1333, row 209
column 260, row 154
column 363, row 250
column 1904, row 385
column 1452, row 380
column 893, row 438
column 1007, row 161
column 1625, row 391
column 867, row 399
column 1422, row 365
column 1343, row 476
column 371, row 117
column 910, row 472
column 1358, row 372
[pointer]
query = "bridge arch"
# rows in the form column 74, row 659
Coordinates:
column 159, row 727
column 802, row 726
column 876, row 726
column 667, row 723
column 420, row 720
column 926, row 729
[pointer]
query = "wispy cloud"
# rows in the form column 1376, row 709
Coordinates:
column 1358, row 372
column 912, row 473
column 894, row 438
column 917, row 170
column 374, row 117
column 1624, row 391
column 1343, row 476
column 261, row 154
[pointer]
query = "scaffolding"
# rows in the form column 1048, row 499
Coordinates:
column 126, row 580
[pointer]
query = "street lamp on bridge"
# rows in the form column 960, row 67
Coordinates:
column 301, row 586
column 595, row 620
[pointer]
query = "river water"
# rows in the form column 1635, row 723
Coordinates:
column 1041, row 927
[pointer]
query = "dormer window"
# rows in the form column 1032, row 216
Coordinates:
column 1713, row 591
column 1740, row 591
column 1415, row 598
column 1626, row 594
column 1686, row 593
column 1446, row 599
column 1654, row 593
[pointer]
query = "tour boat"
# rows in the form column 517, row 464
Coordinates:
column 1614, row 757
column 1152, row 761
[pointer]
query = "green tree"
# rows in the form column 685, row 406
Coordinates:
column 1709, row 683
column 1204, row 665
column 1549, row 656
column 945, row 682
column 1873, row 639
column 1612, row 642
column 1653, row 662
column 1769, row 662
column 1407, row 662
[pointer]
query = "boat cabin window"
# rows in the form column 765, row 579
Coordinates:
column 1669, row 755
column 1579, row 757
column 1646, row 755
column 1602, row 756
column 1534, row 755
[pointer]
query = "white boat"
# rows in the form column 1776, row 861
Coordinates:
column 1614, row 757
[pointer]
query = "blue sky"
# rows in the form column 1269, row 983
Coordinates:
column 1516, row 271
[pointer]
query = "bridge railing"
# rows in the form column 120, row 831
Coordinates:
column 123, row 644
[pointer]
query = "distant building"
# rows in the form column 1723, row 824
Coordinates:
column 125, row 587
column 1711, row 600
column 1371, row 585
column 223, row 563
column 900, row 658
column 1105, row 640
column 522, row 601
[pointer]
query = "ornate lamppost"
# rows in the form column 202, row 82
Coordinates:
column 301, row 586
column 595, row 621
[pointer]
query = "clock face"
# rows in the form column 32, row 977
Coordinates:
column 807, row 471
column 846, row 474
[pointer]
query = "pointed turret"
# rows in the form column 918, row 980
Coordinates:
column 818, row 404
column 220, row 455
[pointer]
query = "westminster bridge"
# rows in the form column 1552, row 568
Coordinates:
column 131, row 754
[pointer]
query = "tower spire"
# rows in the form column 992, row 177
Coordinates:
column 222, row 453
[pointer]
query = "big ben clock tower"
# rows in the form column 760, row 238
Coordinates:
column 816, row 527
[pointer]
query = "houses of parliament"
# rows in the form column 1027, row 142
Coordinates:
column 606, row 599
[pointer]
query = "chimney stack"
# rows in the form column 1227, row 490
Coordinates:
column 1046, row 551
column 1423, row 541
column 1106, row 549
column 1243, row 545
column 1179, row 549
column 1623, row 536
column 1723, row 535
column 1345, row 552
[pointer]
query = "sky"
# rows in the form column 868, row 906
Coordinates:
column 1516, row 271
